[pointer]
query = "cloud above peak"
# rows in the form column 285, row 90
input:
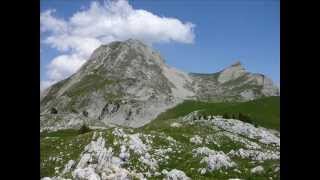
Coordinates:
column 118, row 20
column 101, row 23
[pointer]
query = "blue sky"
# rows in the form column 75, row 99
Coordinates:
column 224, row 31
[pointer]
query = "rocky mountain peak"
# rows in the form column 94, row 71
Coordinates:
column 234, row 71
column 236, row 64
column 127, row 53
column 125, row 83
column 134, row 42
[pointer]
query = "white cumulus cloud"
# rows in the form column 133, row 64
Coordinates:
column 77, row 37
column 64, row 65
column 50, row 23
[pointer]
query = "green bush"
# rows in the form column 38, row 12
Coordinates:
column 53, row 111
column 74, row 111
column 85, row 113
column 226, row 116
column 84, row 129
column 244, row 118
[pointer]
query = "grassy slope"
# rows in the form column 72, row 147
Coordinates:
column 183, row 160
column 264, row 111
column 67, row 144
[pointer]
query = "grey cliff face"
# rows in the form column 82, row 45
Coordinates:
column 233, row 72
column 127, row 83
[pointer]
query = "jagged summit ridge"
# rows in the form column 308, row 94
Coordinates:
column 119, row 52
column 237, row 63
column 128, row 83
column 232, row 72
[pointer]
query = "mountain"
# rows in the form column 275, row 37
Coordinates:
column 128, row 83
column 124, row 83
column 233, row 83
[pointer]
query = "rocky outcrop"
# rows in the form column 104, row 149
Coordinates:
column 214, row 159
column 255, row 154
column 109, row 109
column 176, row 174
column 258, row 169
column 247, row 130
column 196, row 139
column 233, row 72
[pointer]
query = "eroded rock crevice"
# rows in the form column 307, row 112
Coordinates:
column 109, row 109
